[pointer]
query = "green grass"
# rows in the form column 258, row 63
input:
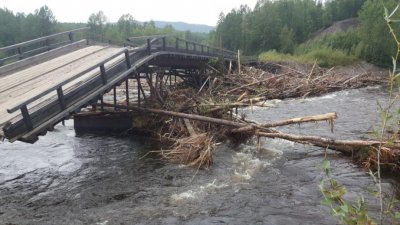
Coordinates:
column 325, row 57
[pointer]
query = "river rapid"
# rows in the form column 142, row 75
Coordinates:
column 105, row 180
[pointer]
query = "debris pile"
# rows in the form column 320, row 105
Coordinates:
column 191, row 120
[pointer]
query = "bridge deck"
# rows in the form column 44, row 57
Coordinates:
column 43, row 86
column 21, row 85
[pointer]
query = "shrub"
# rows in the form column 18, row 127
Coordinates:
column 324, row 57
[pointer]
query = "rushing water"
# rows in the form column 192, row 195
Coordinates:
column 64, row 179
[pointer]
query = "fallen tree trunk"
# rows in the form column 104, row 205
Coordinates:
column 240, row 127
column 323, row 117
column 189, row 116
column 363, row 152
column 326, row 141
column 344, row 146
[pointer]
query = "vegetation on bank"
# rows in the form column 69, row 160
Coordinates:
column 325, row 57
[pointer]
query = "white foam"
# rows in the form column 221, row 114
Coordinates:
column 241, row 177
column 197, row 193
column 183, row 196
column 102, row 223
column 328, row 96
column 246, row 166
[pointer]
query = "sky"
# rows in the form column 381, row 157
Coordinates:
column 190, row 11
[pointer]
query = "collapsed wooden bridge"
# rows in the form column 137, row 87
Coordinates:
column 44, row 81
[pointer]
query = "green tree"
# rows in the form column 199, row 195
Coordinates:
column 46, row 22
column 287, row 39
column 377, row 44
column 126, row 25
column 97, row 23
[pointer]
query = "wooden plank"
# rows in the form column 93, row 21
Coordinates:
column 23, row 77
column 53, row 79
column 57, row 76
column 86, row 97
column 19, row 65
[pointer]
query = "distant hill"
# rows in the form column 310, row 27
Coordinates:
column 340, row 26
column 182, row 26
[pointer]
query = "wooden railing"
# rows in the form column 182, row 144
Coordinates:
column 29, row 48
column 160, row 43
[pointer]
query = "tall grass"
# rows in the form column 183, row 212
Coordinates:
column 325, row 57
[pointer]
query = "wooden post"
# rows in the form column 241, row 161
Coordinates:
column 71, row 37
column 115, row 98
column 127, row 94
column 61, row 100
column 138, row 88
column 148, row 46
column 151, row 85
column 19, row 53
column 187, row 46
column 128, row 61
column 103, row 74
column 26, row 118
column 177, row 43
column 47, row 43
column 163, row 44
column 239, row 65
column 156, row 85
column 101, row 103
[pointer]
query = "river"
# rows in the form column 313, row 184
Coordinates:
column 103, row 180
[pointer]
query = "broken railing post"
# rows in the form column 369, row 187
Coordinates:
column 61, row 100
column 148, row 46
column 163, row 44
column 27, row 119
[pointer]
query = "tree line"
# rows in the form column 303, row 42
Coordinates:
column 287, row 26
column 19, row 27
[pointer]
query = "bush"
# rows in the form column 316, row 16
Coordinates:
column 324, row 57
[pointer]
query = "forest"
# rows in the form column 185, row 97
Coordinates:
column 19, row 27
column 289, row 26
column 281, row 29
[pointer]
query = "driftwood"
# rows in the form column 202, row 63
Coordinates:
column 286, row 82
column 189, row 127
column 363, row 152
column 220, row 94
column 344, row 146
column 323, row 117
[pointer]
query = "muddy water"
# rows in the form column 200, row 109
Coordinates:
column 65, row 179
